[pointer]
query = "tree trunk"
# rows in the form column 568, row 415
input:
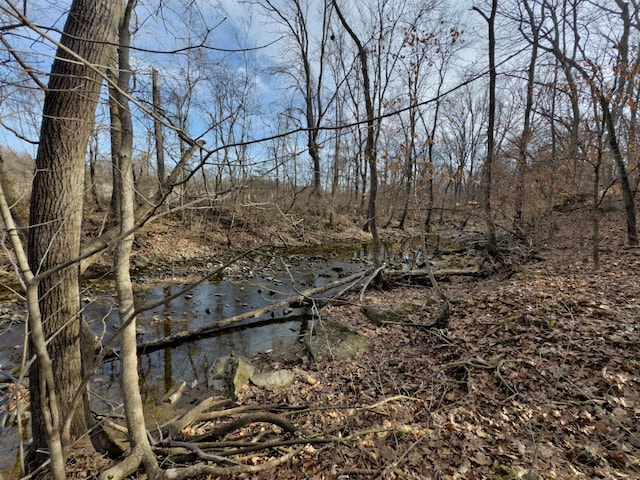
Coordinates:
column 370, row 148
column 57, row 200
column 627, row 194
column 93, row 156
column 157, row 127
column 525, row 138
column 140, row 450
column 48, row 405
column 410, row 144
column 492, row 245
column 115, row 131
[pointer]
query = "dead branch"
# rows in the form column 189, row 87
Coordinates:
column 178, row 423
column 201, row 469
column 201, row 454
column 245, row 420
column 371, row 277
column 423, row 275
column 218, row 325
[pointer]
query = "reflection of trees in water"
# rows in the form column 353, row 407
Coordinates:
column 161, row 370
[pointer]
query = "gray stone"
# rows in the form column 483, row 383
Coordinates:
column 333, row 340
column 229, row 374
column 140, row 261
column 273, row 380
column 379, row 314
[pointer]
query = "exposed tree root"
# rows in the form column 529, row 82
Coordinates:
column 245, row 420
column 193, row 471
column 245, row 453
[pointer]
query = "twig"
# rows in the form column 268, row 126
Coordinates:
column 369, row 280
column 201, row 454
column 386, row 400
column 246, row 420
column 510, row 388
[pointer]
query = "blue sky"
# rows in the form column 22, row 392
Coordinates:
column 236, row 26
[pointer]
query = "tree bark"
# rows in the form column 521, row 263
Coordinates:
column 57, row 201
column 492, row 244
column 157, row 127
column 370, row 148
column 627, row 194
column 140, row 450
column 48, row 403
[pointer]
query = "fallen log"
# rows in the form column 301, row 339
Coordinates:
column 294, row 300
column 423, row 275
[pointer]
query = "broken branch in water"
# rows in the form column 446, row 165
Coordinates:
column 297, row 299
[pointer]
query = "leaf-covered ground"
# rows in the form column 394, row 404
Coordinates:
column 536, row 377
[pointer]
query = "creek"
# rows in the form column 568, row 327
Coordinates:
column 233, row 295
column 276, row 279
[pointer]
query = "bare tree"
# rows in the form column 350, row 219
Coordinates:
column 307, row 73
column 140, row 450
column 492, row 246
column 610, row 96
column 525, row 137
column 370, row 149
column 56, row 208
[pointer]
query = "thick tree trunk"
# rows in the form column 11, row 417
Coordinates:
column 57, row 200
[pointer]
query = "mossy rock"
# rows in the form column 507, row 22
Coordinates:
column 394, row 313
column 334, row 340
column 503, row 472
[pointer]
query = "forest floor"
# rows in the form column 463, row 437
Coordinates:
column 537, row 375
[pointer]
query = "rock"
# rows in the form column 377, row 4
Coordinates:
column 379, row 314
column 215, row 374
column 305, row 376
column 238, row 375
column 273, row 380
column 140, row 261
column 229, row 374
column 333, row 340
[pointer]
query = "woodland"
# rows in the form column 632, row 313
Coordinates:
column 182, row 142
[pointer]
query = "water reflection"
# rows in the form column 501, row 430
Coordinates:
column 161, row 370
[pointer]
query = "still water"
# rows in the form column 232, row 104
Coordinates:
column 284, row 276
column 210, row 302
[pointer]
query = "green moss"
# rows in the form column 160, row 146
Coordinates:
column 503, row 472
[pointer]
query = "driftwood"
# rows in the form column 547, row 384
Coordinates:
column 295, row 300
column 423, row 275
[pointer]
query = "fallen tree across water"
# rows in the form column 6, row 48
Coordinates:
column 295, row 300
column 421, row 276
